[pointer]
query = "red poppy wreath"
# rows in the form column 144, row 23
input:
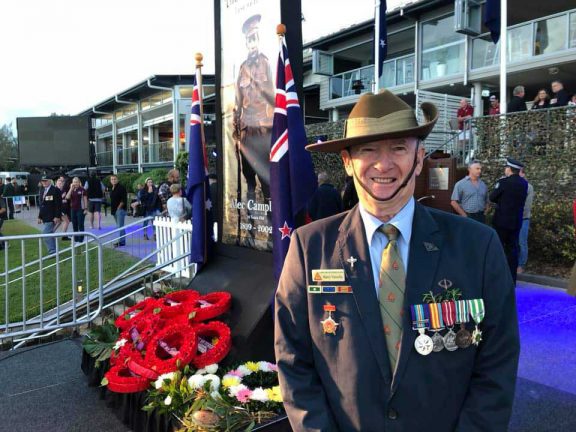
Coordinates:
column 178, row 303
column 123, row 380
column 214, row 342
column 209, row 306
column 136, row 312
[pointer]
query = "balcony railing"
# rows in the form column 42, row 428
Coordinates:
column 398, row 71
column 158, row 152
column 104, row 158
column 528, row 40
column 341, row 84
column 127, row 156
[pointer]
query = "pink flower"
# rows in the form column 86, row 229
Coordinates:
column 273, row 367
column 235, row 373
column 244, row 395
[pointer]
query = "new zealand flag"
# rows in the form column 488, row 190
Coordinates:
column 197, row 188
column 292, row 178
column 492, row 18
column 381, row 38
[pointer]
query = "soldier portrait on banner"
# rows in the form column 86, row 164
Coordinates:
column 249, row 51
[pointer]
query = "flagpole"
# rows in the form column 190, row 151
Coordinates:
column 199, row 57
column 376, row 45
column 503, row 53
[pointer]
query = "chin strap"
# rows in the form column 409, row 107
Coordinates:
column 403, row 185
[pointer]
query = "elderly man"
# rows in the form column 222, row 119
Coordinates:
column 50, row 211
column 470, row 195
column 358, row 339
column 561, row 97
column 517, row 102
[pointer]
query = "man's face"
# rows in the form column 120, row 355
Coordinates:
column 494, row 102
column 379, row 168
column 252, row 41
column 463, row 103
column 45, row 183
column 113, row 180
column 176, row 177
column 556, row 87
column 475, row 170
column 507, row 171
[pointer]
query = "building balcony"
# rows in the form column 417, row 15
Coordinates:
column 528, row 41
column 158, row 152
column 104, row 158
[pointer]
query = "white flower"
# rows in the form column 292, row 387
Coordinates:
column 264, row 366
column 214, row 381
column 210, row 369
column 244, row 370
column 120, row 343
column 196, row 381
column 168, row 400
column 259, row 394
column 233, row 391
column 160, row 380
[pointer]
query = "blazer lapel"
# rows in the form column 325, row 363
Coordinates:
column 425, row 250
column 352, row 244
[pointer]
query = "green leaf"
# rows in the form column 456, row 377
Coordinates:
column 104, row 382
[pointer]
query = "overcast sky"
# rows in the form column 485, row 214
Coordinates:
column 64, row 56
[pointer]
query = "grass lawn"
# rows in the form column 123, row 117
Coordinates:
column 38, row 287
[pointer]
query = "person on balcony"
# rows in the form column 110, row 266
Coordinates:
column 517, row 102
column 561, row 97
column 464, row 113
column 542, row 100
column 494, row 106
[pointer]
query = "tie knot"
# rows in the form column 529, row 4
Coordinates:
column 390, row 231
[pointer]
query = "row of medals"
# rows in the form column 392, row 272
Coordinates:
column 425, row 344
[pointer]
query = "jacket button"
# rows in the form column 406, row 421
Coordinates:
column 392, row 414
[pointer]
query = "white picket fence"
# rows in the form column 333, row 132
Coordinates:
column 181, row 232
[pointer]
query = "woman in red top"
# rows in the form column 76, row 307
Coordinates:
column 78, row 200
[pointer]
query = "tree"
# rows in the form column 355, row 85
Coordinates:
column 8, row 149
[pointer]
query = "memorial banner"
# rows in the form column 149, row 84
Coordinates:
column 249, row 49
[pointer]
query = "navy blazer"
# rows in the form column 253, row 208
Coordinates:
column 343, row 382
column 50, row 204
column 509, row 195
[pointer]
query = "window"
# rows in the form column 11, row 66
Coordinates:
column 442, row 49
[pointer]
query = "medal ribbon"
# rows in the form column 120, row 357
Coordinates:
column 449, row 313
column 435, row 311
column 477, row 309
column 462, row 311
column 420, row 317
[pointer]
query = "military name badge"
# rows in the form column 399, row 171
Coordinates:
column 463, row 337
column 420, row 321
column 436, row 324
column 328, row 275
column 477, row 311
column 449, row 316
column 329, row 326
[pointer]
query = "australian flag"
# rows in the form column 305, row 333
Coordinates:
column 197, row 188
column 381, row 38
column 492, row 18
column 292, row 178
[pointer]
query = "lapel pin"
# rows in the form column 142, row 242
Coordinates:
column 430, row 247
column 352, row 260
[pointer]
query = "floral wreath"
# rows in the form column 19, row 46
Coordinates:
column 234, row 382
column 120, row 379
column 177, row 303
column 171, row 348
column 133, row 341
column 136, row 312
column 213, row 343
column 209, row 306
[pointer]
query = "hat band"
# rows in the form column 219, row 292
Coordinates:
column 395, row 122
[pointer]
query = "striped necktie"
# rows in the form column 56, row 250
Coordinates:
column 391, row 292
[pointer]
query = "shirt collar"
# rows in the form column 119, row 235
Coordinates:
column 402, row 220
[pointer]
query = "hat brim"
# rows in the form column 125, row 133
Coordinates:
column 421, row 132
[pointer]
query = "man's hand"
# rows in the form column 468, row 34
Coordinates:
column 39, row 221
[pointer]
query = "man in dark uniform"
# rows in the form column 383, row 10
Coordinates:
column 8, row 195
column 509, row 195
column 50, row 211
column 326, row 201
column 254, row 112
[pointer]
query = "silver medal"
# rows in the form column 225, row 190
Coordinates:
column 438, row 342
column 450, row 341
column 423, row 343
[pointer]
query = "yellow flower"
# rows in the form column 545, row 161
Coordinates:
column 253, row 366
column 274, row 394
column 230, row 380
